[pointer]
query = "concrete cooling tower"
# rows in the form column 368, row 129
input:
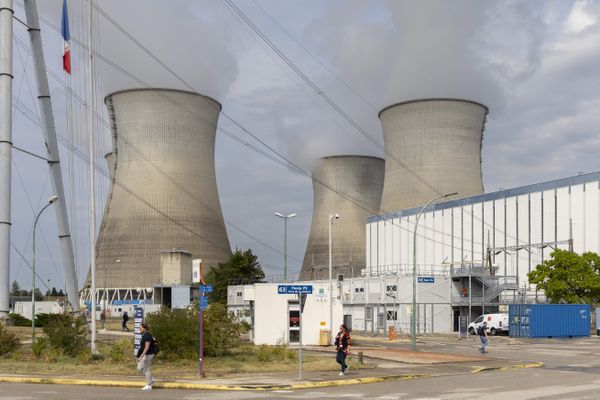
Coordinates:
column 439, row 141
column 163, row 192
column 359, row 180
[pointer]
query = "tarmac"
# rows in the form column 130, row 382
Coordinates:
column 392, row 364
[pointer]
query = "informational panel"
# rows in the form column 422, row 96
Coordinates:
column 138, row 319
column 196, row 270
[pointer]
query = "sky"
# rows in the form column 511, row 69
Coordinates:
column 535, row 64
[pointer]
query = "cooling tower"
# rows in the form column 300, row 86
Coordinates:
column 433, row 147
column 163, row 192
column 359, row 182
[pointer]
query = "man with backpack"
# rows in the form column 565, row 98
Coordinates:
column 482, row 332
column 148, row 348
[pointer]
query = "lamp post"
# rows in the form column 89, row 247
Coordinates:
column 285, row 219
column 332, row 218
column 37, row 217
column 413, row 325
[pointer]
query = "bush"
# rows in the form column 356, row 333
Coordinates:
column 66, row 333
column 8, row 341
column 266, row 353
column 121, row 351
column 19, row 320
column 38, row 347
column 177, row 332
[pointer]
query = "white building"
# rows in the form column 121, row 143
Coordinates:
column 23, row 308
column 490, row 242
column 274, row 316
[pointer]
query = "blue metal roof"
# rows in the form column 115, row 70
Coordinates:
column 501, row 194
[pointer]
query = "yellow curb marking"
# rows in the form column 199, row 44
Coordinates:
column 208, row 386
column 508, row 368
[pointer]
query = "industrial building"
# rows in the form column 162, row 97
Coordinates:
column 432, row 146
column 351, row 187
column 473, row 256
column 163, row 191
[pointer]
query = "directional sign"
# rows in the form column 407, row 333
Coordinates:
column 426, row 279
column 206, row 288
column 295, row 289
column 203, row 302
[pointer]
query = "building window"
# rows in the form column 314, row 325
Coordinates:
column 392, row 315
column 359, row 290
column 239, row 294
column 369, row 313
column 391, row 288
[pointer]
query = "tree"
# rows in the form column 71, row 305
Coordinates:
column 242, row 266
column 61, row 293
column 568, row 277
column 15, row 289
column 54, row 292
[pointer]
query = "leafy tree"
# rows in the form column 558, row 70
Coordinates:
column 15, row 289
column 568, row 277
column 66, row 333
column 61, row 293
column 54, row 292
column 242, row 266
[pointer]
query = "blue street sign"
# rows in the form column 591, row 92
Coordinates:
column 203, row 302
column 206, row 288
column 295, row 289
column 426, row 279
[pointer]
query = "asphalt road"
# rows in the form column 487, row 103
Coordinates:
column 572, row 371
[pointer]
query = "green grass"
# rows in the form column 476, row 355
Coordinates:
column 243, row 359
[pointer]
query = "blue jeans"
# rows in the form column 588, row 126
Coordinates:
column 341, row 359
column 484, row 341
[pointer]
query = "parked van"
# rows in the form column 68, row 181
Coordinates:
column 496, row 323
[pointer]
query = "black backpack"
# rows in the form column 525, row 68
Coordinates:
column 480, row 330
column 155, row 345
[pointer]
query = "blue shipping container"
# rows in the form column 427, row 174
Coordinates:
column 549, row 320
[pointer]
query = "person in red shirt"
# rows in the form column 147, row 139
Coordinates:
column 342, row 345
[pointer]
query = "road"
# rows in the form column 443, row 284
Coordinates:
column 572, row 371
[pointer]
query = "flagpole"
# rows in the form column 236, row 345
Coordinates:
column 91, row 178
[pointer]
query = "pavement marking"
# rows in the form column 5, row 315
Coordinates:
column 209, row 386
column 508, row 368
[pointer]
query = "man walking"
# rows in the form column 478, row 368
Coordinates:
column 124, row 320
column 145, row 355
column 482, row 332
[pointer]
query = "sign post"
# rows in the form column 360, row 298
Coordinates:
column 203, row 306
column 301, row 291
column 138, row 319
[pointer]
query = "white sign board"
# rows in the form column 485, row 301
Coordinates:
column 196, row 270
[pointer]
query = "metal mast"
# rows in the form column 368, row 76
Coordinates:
column 6, row 77
column 49, row 130
column 91, row 103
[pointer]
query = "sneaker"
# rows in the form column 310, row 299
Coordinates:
column 347, row 370
column 341, row 374
column 147, row 387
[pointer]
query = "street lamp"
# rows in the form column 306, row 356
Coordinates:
column 413, row 325
column 332, row 218
column 37, row 217
column 285, row 219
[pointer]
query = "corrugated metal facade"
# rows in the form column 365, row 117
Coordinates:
column 522, row 224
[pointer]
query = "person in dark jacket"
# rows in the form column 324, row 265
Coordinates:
column 342, row 345
column 124, row 320
column 145, row 355
column 482, row 332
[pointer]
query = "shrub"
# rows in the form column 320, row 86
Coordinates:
column 121, row 350
column 19, row 320
column 38, row 347
column 177, row 332
column 66, row 333
column 263, row 353
column 8, row 341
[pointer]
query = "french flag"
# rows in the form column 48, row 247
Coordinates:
column 64, row 29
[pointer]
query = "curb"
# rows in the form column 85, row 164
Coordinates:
column 508, row 368
column 208, row 386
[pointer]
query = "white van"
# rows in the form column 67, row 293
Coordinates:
column 496, row 323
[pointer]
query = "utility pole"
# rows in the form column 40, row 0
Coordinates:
column 6, row 78
column 49, row 131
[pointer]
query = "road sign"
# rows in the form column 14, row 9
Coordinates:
column 295, row 289
column 138, row 318
column 203, row 302
column 206, row 288
column 426, row 279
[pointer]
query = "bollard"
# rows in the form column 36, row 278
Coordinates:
column 360, row 357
